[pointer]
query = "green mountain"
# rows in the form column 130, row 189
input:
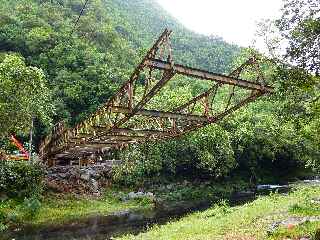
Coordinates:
column 146, row 19
column 85, row 63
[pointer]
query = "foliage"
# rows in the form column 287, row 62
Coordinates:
column 16, row 211
column 23, row 96
column 139, row 162
column 197, row 191
column 85, row 64
column 299, row 83
column 21, row 179
column 30, row 208
column 269, row 137
column 62, row 208
column 310, row 229
column 305, row 209
column 195, row 50
column 214, row 151
column 264, row 143
column 300, row 25
column 207, row 153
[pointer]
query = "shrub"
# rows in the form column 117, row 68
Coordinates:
column 214, row 151
column 206, row 153
column 21, row 179
column 140, row 161
column 30, row 208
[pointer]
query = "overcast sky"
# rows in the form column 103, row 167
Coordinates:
column 234, row 20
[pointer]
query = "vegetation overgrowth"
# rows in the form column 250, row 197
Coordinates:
column 53, row 70
column 250, row 221
column 57, row 209
column 76, row 68
column 52, row 208
column 21, row 179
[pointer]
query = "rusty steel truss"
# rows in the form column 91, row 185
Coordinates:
column 125, row 118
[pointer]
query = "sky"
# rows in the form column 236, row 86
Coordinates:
column 233, row 20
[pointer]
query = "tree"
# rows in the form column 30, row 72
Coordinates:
column 300, row 25
column 23, row 96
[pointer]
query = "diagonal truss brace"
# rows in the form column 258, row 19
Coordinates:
column 124, row 119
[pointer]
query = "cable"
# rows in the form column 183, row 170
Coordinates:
column 81, row 13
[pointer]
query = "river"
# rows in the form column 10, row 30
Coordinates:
column 126, row 222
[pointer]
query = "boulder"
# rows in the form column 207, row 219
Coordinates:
column 94, row 185
column 133, row 195
column 85, row 176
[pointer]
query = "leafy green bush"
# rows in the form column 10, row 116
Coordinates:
column 21, row 179
column 139, row 162
column 214, row 151
column 30, row 208
column 206, row 153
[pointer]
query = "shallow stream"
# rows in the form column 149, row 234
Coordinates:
column 126, row 222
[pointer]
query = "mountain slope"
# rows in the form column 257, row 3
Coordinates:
column 86, row 63
column 147, row 19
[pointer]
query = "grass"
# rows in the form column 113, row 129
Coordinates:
column 307, row 230
column 249, row 221
column 72, row 208
column 58, row 209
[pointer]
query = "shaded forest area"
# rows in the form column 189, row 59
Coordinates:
column 52, row 70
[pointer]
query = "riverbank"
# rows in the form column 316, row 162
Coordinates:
column 64, row 209
column 120, row 211
column 61, row 208
column 277, row 216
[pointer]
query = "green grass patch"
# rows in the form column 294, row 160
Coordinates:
column 58, row 209
column 307, row 230
column 249, row 221
column 72, row 208
column 305, row 209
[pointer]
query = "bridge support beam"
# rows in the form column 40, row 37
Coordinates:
column 124, row 119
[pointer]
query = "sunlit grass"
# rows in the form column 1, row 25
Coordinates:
column 249, row 221
column 55, row 210
column 306, row 230
column 58, row 209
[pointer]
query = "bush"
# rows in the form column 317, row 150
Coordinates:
column 214, row 151
column 30, row 208
column 205, row 153
column 21, row 179
column 140, row 161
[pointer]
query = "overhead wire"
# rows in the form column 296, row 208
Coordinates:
column 81, row 13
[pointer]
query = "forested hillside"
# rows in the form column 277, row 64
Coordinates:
column 84, row 64
column 55, row 65
column 147, row 19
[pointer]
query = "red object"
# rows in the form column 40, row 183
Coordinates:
column 290, row 226
column 25, row 154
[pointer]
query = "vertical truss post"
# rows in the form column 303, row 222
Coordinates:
column 130, row 96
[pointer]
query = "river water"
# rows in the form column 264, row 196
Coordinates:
column 122, row 223
column 105, row 227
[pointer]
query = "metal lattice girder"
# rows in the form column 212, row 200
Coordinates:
column 201, row 74
column 124, row 118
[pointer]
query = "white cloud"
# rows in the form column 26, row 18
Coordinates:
column 234, row 20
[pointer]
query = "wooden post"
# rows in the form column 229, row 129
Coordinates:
column 30, row 139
